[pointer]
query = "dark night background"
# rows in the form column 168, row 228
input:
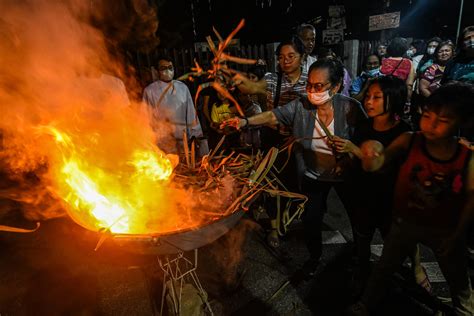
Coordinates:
column 419, row 18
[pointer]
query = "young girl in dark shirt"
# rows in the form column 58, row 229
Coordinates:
column 434, row 196
column 372, row 193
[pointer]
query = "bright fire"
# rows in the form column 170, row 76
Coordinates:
column 86, row 188
column 73, row 141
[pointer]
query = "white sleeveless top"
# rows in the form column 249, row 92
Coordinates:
column 318, row 143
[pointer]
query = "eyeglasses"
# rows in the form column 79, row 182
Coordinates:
column 289, row 58
column 163, row 68
column 318, row 87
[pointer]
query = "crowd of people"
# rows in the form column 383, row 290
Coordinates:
column 394, row 142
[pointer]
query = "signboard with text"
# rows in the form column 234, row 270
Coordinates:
column 331, row 37
column 384, row 21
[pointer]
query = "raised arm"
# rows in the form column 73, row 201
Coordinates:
column 409, row 82
column 374, row 157
column 265, row 118
column 359, row 96
column 248, row 86
column 424, row 87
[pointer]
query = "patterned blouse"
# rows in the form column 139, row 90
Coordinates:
column 433, row 75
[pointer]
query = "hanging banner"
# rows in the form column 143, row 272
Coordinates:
column 384, row 21
column 331, row 37
column 336, row 17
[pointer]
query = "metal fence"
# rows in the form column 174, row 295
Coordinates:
column 183, row 59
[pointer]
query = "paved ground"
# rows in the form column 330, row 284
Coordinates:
column 55, row 271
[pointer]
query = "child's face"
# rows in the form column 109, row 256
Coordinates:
column 438, row 125
column 373, row 102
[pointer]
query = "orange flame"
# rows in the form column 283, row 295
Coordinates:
column 73, row 127
column 88, row 190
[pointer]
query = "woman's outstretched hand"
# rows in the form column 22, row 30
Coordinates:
column 234, row 122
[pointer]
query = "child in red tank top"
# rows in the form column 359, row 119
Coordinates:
column 434, row 195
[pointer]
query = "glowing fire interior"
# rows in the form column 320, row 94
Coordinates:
column 117, row 200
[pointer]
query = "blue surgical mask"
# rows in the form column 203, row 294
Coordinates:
column 372, row 72
column 410, row 53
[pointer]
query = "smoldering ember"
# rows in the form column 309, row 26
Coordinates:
column 202, row 157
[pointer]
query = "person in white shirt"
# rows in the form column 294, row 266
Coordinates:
column 170, row 101
column 307, row 34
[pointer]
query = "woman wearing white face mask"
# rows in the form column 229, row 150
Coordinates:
column 428, row 56
column 313, row 120
column 418, row 48
column 424, row 63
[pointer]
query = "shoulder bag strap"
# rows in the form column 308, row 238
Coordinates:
column 395, row 69
column 276, row 100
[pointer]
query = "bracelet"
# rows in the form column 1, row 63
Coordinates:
column 246, row 122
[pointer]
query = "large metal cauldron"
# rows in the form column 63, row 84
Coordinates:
column 179, row 241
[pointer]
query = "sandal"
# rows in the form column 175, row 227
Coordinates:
column 425, row 282
column 272, row 239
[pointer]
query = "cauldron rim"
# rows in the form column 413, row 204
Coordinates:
column 174, row 232
column 184, row 240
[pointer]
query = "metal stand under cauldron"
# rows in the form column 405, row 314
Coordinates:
column 179, row 272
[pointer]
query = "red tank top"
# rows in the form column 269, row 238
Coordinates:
column 428, row 191
column 399, row 68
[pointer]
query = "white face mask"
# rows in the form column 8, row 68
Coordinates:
column 431, row 50
column 410, row 53
column 319, row 98
column 166, row 75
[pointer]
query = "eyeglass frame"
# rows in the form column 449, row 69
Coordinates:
column 320, row 88
column 289, row 58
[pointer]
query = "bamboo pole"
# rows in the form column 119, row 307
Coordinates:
column 186, row 148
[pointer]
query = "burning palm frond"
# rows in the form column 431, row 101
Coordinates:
column 219, row 72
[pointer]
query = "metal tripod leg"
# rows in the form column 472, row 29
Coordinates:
column 178, row 271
